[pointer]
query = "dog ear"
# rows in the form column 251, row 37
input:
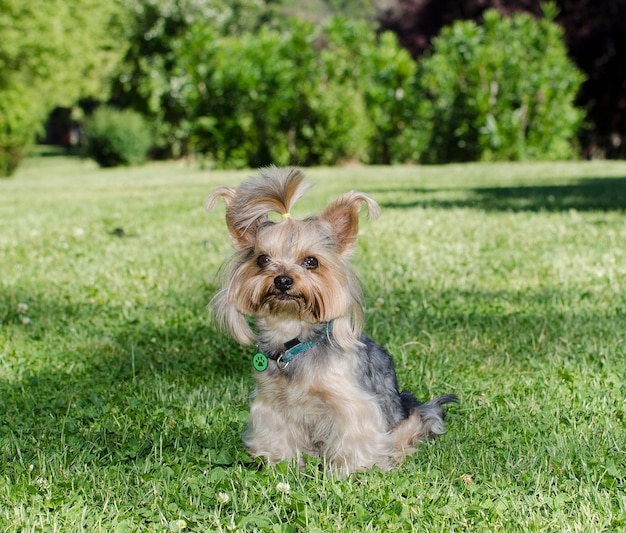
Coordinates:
column 229, row 319
column 343, row 215
column 242, row 230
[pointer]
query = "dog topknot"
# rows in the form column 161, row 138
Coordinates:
column 275, row 190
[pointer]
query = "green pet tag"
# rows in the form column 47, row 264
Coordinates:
column 260, row 362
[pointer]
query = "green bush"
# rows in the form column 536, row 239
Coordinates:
column 336, row 128
column 13, row 147
column 503, row 90
column 20, row 120
column 268, row 97
column 307, row 94
column 381, row 75
column 117, row 137
column 294, row 93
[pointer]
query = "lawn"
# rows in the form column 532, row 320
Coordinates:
column 121, row 407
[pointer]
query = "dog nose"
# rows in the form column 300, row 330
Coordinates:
column 283, row 283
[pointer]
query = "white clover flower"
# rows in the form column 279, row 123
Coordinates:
column 178, row 525
column 283, row 487
column 22, row 308
column 222, row 498
column 25, row 320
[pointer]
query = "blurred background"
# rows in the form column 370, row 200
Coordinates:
column 246, row 83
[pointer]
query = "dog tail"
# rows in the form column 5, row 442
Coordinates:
column 422, row 421
column 433, row 415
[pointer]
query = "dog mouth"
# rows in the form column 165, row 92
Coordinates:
column 280, row 301
column 293, row 305
column 284, row 297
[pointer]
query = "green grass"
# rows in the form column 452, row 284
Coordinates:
column 121, row 407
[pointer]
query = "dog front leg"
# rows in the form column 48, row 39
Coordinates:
column 268, row 435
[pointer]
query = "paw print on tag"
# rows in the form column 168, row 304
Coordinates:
column 260, row 362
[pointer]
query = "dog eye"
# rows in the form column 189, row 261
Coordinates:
column 263, row 261
column 310, row 263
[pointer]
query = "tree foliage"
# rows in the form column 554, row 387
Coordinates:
column 595, row 35
column 503, row 90
column 151, row 75
column 243, row 83
column 289, row 92
column 271, row 97
column 51, row 53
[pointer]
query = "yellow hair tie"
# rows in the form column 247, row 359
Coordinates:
column 286, row 215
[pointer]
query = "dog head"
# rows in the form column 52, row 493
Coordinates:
column 290, row 269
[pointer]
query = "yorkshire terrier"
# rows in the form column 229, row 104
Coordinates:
column 323, row 387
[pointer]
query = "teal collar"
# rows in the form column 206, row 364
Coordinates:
column 292, row 348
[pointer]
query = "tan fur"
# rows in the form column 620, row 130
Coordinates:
column 289, row 418
column 318, row 404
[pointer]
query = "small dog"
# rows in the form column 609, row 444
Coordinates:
column 323, row 388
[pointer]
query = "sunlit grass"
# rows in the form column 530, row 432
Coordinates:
column 121, row 407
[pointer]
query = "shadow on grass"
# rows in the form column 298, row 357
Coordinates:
column 590, row 194
column 119, row 389
column 124, row 391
